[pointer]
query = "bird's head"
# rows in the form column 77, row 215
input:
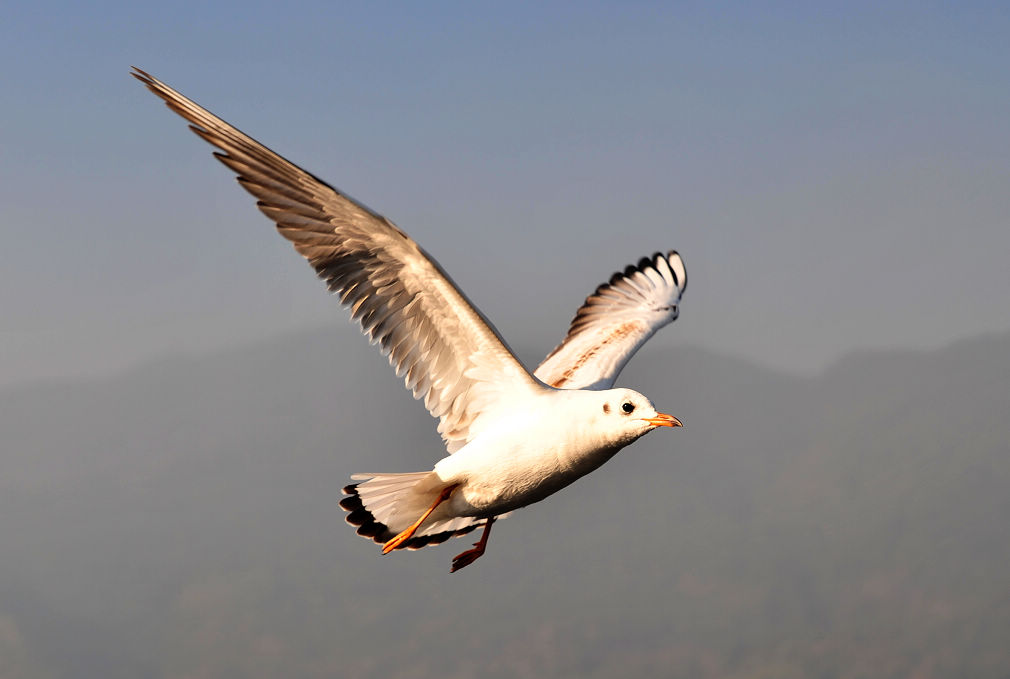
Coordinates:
column 629, row 415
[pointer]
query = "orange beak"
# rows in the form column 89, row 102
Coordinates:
column 663, row 420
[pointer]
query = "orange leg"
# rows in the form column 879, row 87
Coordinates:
column 469, row 556
column 412, row 528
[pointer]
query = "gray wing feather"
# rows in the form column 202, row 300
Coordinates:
column 448, row 353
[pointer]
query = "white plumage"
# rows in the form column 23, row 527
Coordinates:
column 513, row 438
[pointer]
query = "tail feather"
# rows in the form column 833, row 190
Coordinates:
column 382, row 505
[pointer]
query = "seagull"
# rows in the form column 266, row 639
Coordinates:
column 513, row 437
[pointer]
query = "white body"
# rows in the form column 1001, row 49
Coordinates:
column 556, row 437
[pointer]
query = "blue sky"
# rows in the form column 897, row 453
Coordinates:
column 834, row 175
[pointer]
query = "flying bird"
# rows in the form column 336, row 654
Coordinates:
column 513, row 437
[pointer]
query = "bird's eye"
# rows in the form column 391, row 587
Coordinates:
column 628, row 407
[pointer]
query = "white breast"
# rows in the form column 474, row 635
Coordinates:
column 525, row 457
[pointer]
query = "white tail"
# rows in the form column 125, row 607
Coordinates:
column 382, row 505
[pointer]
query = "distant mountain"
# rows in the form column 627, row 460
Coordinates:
column 181, row 519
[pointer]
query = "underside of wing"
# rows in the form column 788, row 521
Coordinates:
column 614, row 322
column 448, row 353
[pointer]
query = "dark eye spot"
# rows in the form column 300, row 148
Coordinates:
column 628, row 407
column 606, row 408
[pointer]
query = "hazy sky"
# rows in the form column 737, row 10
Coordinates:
column 835, row 177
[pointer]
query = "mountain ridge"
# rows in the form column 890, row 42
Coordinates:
column 846, row 523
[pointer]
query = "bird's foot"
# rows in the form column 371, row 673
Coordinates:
column 468, row 557
column 398, row 540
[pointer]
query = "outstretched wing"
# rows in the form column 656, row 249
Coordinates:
column 448, row 353
column 614, row 322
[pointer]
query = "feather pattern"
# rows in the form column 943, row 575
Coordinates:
column 614, row 322
column 369, row 526
column 449, row 355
